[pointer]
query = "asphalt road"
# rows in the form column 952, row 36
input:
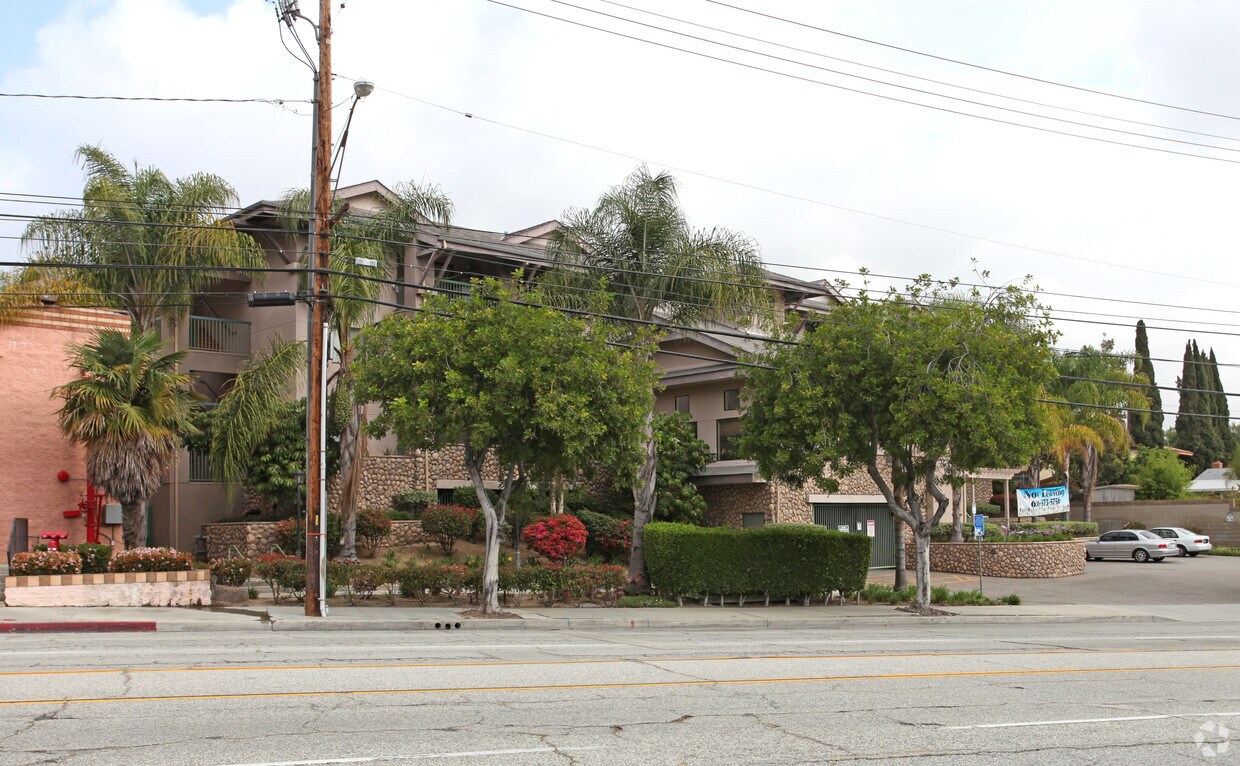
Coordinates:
column 937, row 694
column 1200, row 580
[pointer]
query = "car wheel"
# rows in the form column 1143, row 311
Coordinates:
column 1183, row 550
column 1140, row 555
column 1194, row 554
column 1088, row 557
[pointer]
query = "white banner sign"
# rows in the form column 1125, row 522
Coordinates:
column 1041, row 501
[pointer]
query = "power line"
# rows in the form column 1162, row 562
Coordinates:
column 908, row 74
column 895, row 99
column 798, row 197
column 178, row 99
column 876, row 81
column 971, row 65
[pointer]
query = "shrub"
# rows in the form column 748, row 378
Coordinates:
column 607, row 536
column 467, row 497
column 31, row 563
column 432, row 580
column 412, row 502
column 289, row 533
column 373, row 526
column 151, row 560
column 233, row 572
column 282, row 574
column 1021, row 531
column 592, row 581
column 779, row 560
column 1223, row 550
column 559, row 537
column 358, row 581
column 95, row 558
column 448, row 523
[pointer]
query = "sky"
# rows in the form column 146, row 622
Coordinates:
column 828, row 177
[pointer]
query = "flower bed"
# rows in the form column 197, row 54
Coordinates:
column 1061, row 558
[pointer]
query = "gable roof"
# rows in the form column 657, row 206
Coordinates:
column 1214, row 480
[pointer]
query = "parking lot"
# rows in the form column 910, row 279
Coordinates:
column 1200, row 580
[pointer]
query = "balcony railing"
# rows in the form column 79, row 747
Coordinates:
column 453, row 287
column 200, row 467
column 228, row 336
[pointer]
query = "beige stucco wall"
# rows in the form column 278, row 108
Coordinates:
column 1208, row 516
column 32, row 450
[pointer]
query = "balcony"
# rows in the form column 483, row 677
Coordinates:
column 226, row 336
column 200, row 467
column 453, row 287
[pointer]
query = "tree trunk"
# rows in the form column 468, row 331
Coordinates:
column 643, row 508
column 957, row 517
column 1089, row 477
column 352, row 461
column 133, row 525
column 921, row 535
column 494, row 514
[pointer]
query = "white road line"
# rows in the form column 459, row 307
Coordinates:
column 1018, row 724
column 424, row 756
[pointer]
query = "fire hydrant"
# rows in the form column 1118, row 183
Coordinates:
column 53, row 539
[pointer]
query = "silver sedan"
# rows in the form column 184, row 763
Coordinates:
column 1188, row 542
column 1135, row 544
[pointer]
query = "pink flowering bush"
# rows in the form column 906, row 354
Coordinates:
column 45, row 563
column 559, row 537
column 151, row 560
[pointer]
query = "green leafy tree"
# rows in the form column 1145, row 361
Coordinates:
column 1193, row 432
column 1147, row 432
column 140, row 218
column 914, row 391
column 636, row 246
column 1159, row 474
column 1100, row 389
column 1222, row 423
column 681, row 454
column 356, row 241
column 537, row 390
column 128, row 406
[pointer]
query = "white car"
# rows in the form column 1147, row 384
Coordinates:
column 1189, row 542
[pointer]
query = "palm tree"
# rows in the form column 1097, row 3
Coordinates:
column 145, row 226
column 128, row 407
column 1100, row 389
column 651, row 265
column 380, row 237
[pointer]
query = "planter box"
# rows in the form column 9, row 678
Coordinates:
column 192, row 588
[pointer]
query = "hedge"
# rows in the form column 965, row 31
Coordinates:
column 1035, row 530
column 779, row 560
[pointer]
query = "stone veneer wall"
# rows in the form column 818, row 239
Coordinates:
column 385, row 475
column 726, row 504
column 1059, row 558
column 256, row 537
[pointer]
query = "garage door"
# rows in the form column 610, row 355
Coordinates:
column 856, row 518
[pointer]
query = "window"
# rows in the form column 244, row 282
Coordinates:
column 682, row 403
column 1125, row 536
column 731, row 399
column 727, row 432
column 753, row 520
column 444, row 495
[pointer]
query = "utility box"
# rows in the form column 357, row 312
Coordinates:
column 112, row 514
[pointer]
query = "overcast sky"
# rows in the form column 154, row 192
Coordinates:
column 823, row 177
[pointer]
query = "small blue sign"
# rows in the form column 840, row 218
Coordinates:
column 979, row 525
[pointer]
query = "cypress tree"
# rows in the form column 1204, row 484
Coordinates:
column 1186, row 427
column 1147, row 433
column 1223, row 424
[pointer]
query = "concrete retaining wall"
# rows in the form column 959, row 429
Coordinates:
column 1062, row 558
column 192, row 588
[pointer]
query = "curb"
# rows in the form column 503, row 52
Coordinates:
column 79, row 627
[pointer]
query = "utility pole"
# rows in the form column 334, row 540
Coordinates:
column 320, row 247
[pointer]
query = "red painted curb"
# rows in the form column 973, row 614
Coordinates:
column 76, row 627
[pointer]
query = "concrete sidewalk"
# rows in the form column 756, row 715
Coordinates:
column 371, row 618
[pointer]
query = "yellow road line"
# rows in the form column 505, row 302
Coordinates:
column 631, row 685
column 608, row 660
column 592, row 661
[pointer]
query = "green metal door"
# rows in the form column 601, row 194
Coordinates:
column 855, row 517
